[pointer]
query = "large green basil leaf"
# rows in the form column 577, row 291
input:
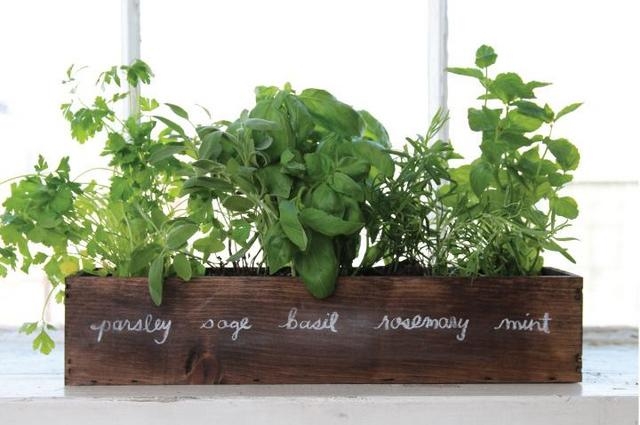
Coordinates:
column 274, row 181
column 330, row 113
column 344, row 184
column 280, row 132
column 374, row 130
column 277, row 248
column 300, row 118
column 318, row 266
column 291, row 224
column 328, row 224
column 326, row 199
column 318, row 165
column 376, row 156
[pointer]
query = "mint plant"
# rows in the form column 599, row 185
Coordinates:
column 506, row 205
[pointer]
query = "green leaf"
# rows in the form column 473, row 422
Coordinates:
column 265, row 92
column 28, row 328
column 328, row 224
column 559, row 180
column 209, row 245
column 354, row 167
column 567, row 109
column 182, row 266
column 371, row 256
column 142, row 257
column 286, row 157
column 161, row 152
column 43, row 343
column 278, row 249
column 509, row 86
column 344, row 184
column 300, row 118
column 39, row 258
column 553, row 246
column 537, row 84
column 208, row 165
column 237, row 203
column 515, row 139
column 565, row 152
column 211, row 146
column 138, row 71
column 172, row 125
column 480, row 176
column 147, row 104
column 209, row 183
column 376, row 156
column 156, row 275
column 60, row 296
column 521, row 122
column 62, row 200
column 260, row 124
column 564, row 206
column 374, row 130
column 274, row 181
column 326, row 199
column 318, row 165
column 485, row 56
column 178, row 111
column 484, row 119
column 468, row 72
column 318, row 266
column 180, row 234
column 332, row 114
column 291, row 225
column 281, row 133
column 240, row 231
column 530, row 109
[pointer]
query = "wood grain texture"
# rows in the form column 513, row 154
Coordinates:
column 268, row 353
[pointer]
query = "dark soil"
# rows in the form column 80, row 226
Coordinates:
column 401, row 269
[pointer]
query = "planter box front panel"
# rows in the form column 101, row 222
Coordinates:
column 269, row 330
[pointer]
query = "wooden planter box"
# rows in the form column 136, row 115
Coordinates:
column 269, row 330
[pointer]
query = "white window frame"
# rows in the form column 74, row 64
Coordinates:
column 437, row 54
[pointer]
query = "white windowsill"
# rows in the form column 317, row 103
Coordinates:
column 32, row 391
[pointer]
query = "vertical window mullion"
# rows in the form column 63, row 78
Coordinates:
column 131, row 47
column 437, row 56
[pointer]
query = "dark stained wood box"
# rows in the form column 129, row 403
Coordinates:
column 269, row 330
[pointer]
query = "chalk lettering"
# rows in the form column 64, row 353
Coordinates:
column 527, row 325
column 425, row 322
column 148, row 325
column 327, row 323
column 236, row 325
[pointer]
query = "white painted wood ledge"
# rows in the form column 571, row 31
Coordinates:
column 32, row 392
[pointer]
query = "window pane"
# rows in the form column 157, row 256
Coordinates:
column 371, row 54
column 586, row 50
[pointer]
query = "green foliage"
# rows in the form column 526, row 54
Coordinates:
column 297, row 170
column 406, row 215
column 296, row 183
column 504, row 209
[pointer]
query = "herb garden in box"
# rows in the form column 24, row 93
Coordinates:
column 297, row 244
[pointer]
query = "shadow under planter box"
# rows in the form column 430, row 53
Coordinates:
column 268, row 330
